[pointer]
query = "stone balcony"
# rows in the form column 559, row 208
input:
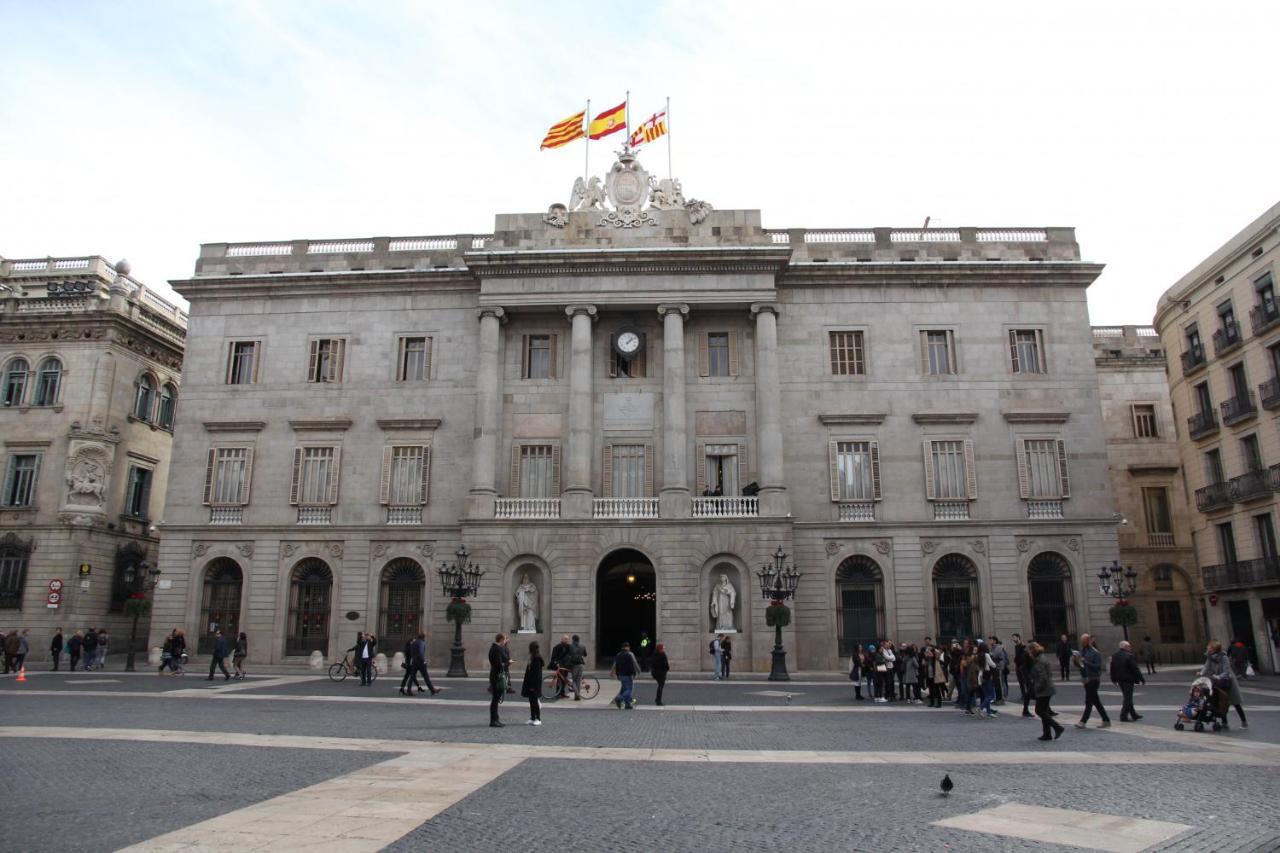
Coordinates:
column 1214, row 496
column 226, row 515
column 1238, row 408
column 1227, row 338
column 624, row 508
column 518, row 509
column 950, row 510
column 1241, row 574
column 1039, row 510
column 1262, row 318
column 726, row 507
column 315, row 515
column 1202, row 424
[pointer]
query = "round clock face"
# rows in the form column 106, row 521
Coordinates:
column 628, row 343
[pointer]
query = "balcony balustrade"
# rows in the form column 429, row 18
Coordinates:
column 1202, row 424
column 951, row 511
column 857, row 511
column 1238, row 408
column 221, row 515
column 1273, row 477
column 315, row 515
column 1251, row 484
column 404, row 515
column 1214, row 496
column 517, row 509
column 1227, row 338
column 1269, row 393
column 1192, row 360
column 726, row 507
column 624, row 508
column 1262, row 317
column 1241, row 574
column 1160, row 540
column 1044, row 509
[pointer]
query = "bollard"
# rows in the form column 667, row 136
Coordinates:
column 397, row 662
column 380, row 663
column 316, row 661
column 154, row 656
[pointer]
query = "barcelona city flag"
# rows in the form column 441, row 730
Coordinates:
column 564, row 132
column 650, row 130
column 609, row 121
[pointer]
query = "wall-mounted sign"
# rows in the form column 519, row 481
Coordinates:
column 85, row 569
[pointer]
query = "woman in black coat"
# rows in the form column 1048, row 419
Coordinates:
column 532, row 687
column 659, row 667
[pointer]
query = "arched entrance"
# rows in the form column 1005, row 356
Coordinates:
column 220, row 603
column 1052, row 612
column 626, row 604
column 860, row 603
column 400, row 604
column 955, row 598
column 310, row 587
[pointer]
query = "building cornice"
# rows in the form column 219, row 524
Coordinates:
column 665, row 260
column 853, row 419
column 336, row 282
column 945, row 417
column 1037, row 417
column 942, row 273
column 409, row 423
column 234, row 426
column 321, row 425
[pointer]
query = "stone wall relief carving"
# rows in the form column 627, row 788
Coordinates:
column 427, row 549
column 88, row 467
column 623, row 195
column 883, row 546
column 979, row 545
column 288, row 549
column 1024, row 545
column 928, row 546
column 199, row 549
column 245, row 549
column 833, row 547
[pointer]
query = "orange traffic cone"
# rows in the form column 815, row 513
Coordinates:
column 22, row 674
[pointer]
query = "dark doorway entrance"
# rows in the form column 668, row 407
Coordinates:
column 1242, row 627
column 626, row 605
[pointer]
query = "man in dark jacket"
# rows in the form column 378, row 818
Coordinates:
column 1126, row 672
column 576, row 661
column 1064, row 658
column 659, row 667
column 559, row 658
column 75, row 644
column 363, row 649
column 1089, row 659
column 625, row 667
column 219, row 657
column 499, row 661
column 90, row 648
column 1021, row 665
column 55, row 648
column 11, row 651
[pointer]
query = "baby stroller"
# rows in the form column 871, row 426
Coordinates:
column 1207, row 704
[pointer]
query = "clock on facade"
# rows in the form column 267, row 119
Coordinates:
column 627, row 343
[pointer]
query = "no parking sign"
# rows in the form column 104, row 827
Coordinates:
column 55, row 593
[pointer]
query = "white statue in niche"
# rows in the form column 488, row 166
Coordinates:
column 723, row 597
column 527, row 604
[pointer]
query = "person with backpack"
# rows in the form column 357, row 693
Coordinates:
column 625, row 667
column 717, row 656
column 659, row 668
column 1089, row 659
column 90, row 647
column 55, row 647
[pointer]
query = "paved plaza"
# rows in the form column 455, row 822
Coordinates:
column 289, row 760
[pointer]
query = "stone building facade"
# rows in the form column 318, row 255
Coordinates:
column 1150, row 490
column 90, row 363
column 623, row 402
column 1225, row 388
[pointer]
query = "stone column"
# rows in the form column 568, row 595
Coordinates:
column 673, row 501
column 773, row 493
column 576, row 500
column 484, row 480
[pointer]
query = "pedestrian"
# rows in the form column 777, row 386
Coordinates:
column 900, row 671
column 659, row 668
column 1001, row 658
column 410, row 679
column 1089, row 659
column 90, row 648
column 1126, row 672
column 499, row 660
column 1239, row 655
column 1217, row 668
column 577, row 660
column 1040, row 685
column 869, row 671
column 910, row 675
column 219, row 660
column 890, row 671
column 531, row 689
column 170, row 653
column 74, row 648
column 24, row 648
column 625, row 667
column 363, row 649
column 717, row 657
column 1064, row 657
column 420, row 660
column 1147, row 654
column 726, row 655
column 55, row 647
column 241, row 652
column 936, row 672
column 559, row 654
column 880, row 665
column 856, row 661
column 10, row 651
column 989, row 675
column 104, row 643
column 1021, row 666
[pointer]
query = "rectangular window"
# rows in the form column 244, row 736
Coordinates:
column 718, row 354
column 227, row 476
column 1162, row 578
column 1251, row 453
column 1213, row 469
column 856, row 471
column 949, row 471
column 720, row 474
column 1227, row 314
column 405, row 471
column 1155, row 501
column 1266, row 533
column 137, row 501
column 628, row 471
column 1026, row 347
column 315, row 476
column 1239, row 381
column 13, row 573
column 414, row 361
column 847, row 354
column 20, row 479
column 1227, row 542
column 1265, row 286
column 1144, row 421
column 1204, row 402
column 242, row 362
column 539, row 357
column 1169, row 617
column 327, row 357
column 1274, row 353
column 937, row 352
column 1194, row 346
column 537, row 471
column 1043, row 468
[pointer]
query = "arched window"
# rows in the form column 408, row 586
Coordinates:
column 955, row 598
column 48, row 382
column 220, row 603
column 15, row 382
column 400, row 604
column 860, row 597
column 1052, row 613
column 168, row 402
column 14, row 554
column 310, row 589
column 145, row 398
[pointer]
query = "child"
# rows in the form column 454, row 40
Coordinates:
column 1190, row 712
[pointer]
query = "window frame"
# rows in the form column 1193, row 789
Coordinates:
column 970, row 474
column 837, row 483
column 1042, row 350
column 606, row 471
column 166, row 405
column 337, row 366
column 334, row 478
column 38, row 397
column 423, row 480
column 15, row 562
column 255, row 365
column 953, row 356
column 131, row 497
column 704, row 352
column 7, row 398
column 152, row 386
column 1025, row 478
column 852, row 357
column 213, row 475
column 1148, row 511
column 11, row 475
column 402, row 353
column 516, row 482
column 553, row 356
column 1135, row 418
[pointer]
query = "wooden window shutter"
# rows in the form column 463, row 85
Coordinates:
column 700, row 468
column 297, row 476
column 312, row 367
column 648, row 469
column 246, row 482
column 742, row 467
column 384, row 490
column 554, row 357
column 231, row 360
column 953, row 357
column 208, row 476
column 970, row 470
column 1024, row 480
column 144, row 503
column 1062, row 468
column 875, row 470
column 1042, row 351
column 930, row 484
column 555, row 470
column 924, row 352
column 339, row 357
column 704, row 355
column 402, row 346
column 639, row 368
column 428, row 353
column 1013, row 348
column 606, row 474
column 524, row 357
column 424, row 491
column 613, row 358
column 335, row 471
column 833, row 463
column 733, row 353
column 257, row 359
column 513, row 488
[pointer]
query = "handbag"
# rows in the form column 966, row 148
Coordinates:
column 1248, row 671
column 502, row 683
column 880, row 667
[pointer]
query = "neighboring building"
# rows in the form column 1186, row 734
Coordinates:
column 1226, row 396
column 90, row 363
column 623, row 403
column 1146, row 474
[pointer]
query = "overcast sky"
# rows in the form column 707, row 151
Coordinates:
column 142, row 129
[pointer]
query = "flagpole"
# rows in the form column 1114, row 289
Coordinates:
column 586, row 164
column 626, row 117
column 668, row 136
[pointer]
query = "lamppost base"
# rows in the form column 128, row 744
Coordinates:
column 457, row 663
column 128, row 662
column 778, row 672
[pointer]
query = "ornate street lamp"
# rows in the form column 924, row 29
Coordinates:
column 459, row 580
column 141, row 579
column 778, row 585
column 1119, row 583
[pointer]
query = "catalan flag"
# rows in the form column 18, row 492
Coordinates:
column 609, row 121
column 564, row 132
column 650, row 130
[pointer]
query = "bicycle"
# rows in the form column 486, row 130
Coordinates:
column 340, row 671
column 175, row 664
column 561, row 684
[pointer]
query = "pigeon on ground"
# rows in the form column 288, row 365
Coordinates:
column 947, row 784
column 788, row 698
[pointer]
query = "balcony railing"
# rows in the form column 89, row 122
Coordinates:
column 1243, row 573
column 857, row 511
column 1238, row 408
column 1251, row 484
column 404, row 515
column 726, row 507
column 1263, row 318
column 315, row 515
column 951, row 511
column 226, row 515
column 524, row 508
column 1213, row 496
column 1273, row 477
column 1269, row 393
column 1044, row 509
column 1227, row 338
column 624, row 508
column 1202, row 424
column 1160, row 540
column 1192, row 360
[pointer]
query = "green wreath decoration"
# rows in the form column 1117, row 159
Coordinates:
column 777, row 615
column 458, row 611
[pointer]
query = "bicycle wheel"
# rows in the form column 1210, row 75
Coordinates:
column 337, row 672
column 590, row 686
column 373, row 673
column 549, row 688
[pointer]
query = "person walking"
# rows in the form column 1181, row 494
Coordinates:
column 576, row 660
column 717, row 657
column 24, row 648
column 856, row 661
column 726, row 655
column 1217, row 668
column 241, row 652
column 219, row 660
column 90, row 648
column 10, row 651
column 1064, row 657
column 420, row 659
column 531, row 688
column 1001, row 658
column 1126, row 672
column 936, row 671
column 499, row 660
column 559, row 654
column 1147, row 655
column 1239, row 656
column 911, row 675
column 1021, row 667
column 1040, row 685
column 74, row 647
column 104, row 644
column 659, row 667
column 55, row 647
column 625, row 667
column 1089, row 659
column 410, row 666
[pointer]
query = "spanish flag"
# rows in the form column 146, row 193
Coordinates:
column 564, row 132
column 609, row 121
